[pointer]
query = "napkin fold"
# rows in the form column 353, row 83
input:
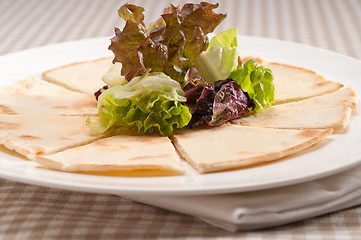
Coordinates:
column 267, row 208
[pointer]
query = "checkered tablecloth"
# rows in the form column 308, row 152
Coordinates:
column 32, row 212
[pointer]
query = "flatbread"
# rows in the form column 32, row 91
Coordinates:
column 232, row 146
column 82, row 76
column 295, row 83
column 44, row 129
column 35, row 96
column 331, row 110
column 32, row 135
column 116, row 153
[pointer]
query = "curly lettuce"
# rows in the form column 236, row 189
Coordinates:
column 170, row 47
column 257, row 81
column 151, row 102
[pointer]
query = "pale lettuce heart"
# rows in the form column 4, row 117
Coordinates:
column 217, row 63
column 228, row 38
column 221, row 57
column 113, row 76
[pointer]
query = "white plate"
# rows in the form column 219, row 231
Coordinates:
column 341, row 152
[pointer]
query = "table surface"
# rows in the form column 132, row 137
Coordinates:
column 32, row 212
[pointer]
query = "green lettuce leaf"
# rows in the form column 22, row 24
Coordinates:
column 221, row 58
column 257, row 81
column 170, row 48
column 228, row 38
column 151, row 102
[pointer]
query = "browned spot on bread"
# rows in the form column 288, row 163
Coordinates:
column 38, row 150
column 28, row 137
column 39, row 97
column 79, row 105
column 323, row 83
column 243, row 152
column 116, row 148
column 86, row 104
column 315, row 133
column 64, row 138
column 60, row 107
column 150, row 156
column 105, row 144
column 6, row 109
column 8, row 125
column 102, row 142
column 308, row 133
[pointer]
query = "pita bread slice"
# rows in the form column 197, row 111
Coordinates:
column 34, row 96
column 117, row 153
column 232, row 146
column 32, row 135
column 331, row 110
column 295, row 83
column 82, row 77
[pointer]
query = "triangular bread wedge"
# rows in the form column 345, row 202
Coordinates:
column 295, row 83
column 34, row 96
column 117, row 153
column 32, row 135
column 82, row 76
column 232, row 146
column 331, row 110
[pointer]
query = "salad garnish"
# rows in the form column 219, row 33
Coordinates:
column 170, row 46
column 149, row 102
column 169, row 75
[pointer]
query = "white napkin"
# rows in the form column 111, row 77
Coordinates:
column 267, row 208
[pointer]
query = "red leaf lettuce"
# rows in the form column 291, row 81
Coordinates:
column 172, row 47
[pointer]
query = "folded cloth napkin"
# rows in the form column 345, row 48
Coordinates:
column 267, row 208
